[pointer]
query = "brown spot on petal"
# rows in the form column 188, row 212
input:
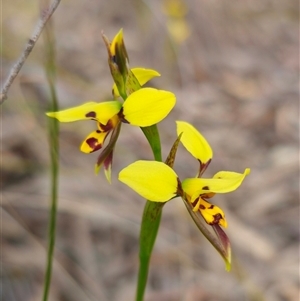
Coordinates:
column 195, row 202
column 108, row 127
column 205, row 188
column 211, row 207
column 122, row 116
column 91, row 114
column 202, row 207
column 93, row 144
column 217, row 219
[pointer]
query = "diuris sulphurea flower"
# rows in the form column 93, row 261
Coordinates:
column 142, row 107
column 158, row 182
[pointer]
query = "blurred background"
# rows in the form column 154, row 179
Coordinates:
column 233, row 66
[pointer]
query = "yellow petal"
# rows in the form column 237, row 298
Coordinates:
column 222, row 182
column 117, row 39
column 212, row 214
column 194, row 142
column 143, row 75
column 101, row 112
column 231, row 174
column 152, row 180
column 148, row 106
column 93, row 142
column 75, row 113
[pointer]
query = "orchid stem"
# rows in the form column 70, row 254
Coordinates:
column 150, row 221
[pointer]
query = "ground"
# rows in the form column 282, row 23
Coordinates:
column 233, row 66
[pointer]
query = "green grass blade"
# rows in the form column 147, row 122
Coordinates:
column 53, row 132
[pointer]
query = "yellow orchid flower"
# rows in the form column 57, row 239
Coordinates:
column 158, row 182
column 194, row 190
column 144, row 107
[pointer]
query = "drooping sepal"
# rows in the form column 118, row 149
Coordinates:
column 220, row 242
column 226, row 247
column 107, row 153
column 107, row 163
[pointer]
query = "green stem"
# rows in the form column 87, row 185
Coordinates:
column 152, row 135
column 150, row 221
column 149, row 228
column 53, row 132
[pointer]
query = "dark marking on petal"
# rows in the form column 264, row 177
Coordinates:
column 195, row 202
column 122, row 116
column 93, row 144
column 211, row 206
column 202, row 207
column 91, row 114
column 98, row 131
column 217, row 219
column 108, row 127
column 207, row 195
column 205, row 188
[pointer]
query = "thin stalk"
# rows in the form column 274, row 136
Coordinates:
column 150, row 221
column 45, row 16
column 53, row 132
column 149, row 228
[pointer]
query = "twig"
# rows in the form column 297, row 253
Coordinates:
column 30, row 44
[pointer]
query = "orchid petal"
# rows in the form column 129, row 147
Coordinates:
column 148, row 106
column 152, row 180
column 101, row 112
column 212, row 213
column 143, row 75
column 223, row 182
column 194, row 142
column 93, row 142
